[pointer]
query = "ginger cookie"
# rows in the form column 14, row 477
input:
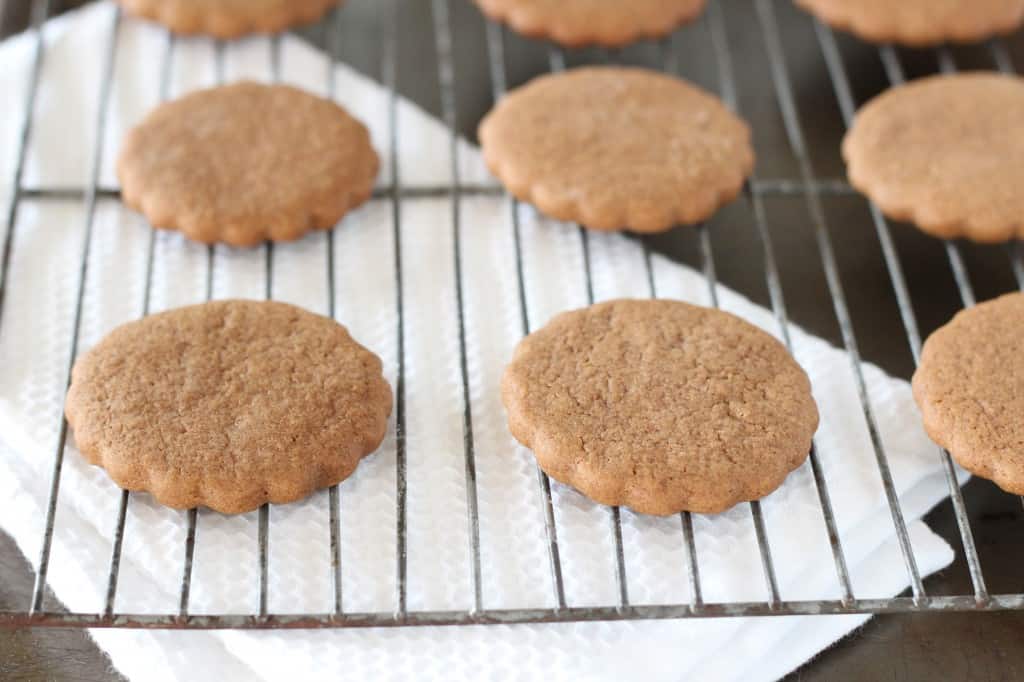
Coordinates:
column 228, row 405
column 247, row 162
column 946, row 153
column 229, row 18
column 919, row 23
column 610, row 23
column 970, row 388
column 660, row 405
column 618, row 148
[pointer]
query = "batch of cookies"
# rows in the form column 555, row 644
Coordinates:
column 657, row 405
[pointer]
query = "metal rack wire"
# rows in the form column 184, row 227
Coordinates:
column 807, row 186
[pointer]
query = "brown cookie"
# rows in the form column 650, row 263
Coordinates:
column 229, row 18
column 970, row 388
column 660, row 405
column 919, row 23
column 614, row 148
column 247, row 162
column 946, row 153
column 228, row 405
column 575, row 23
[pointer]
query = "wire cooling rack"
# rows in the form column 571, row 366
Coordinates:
column 807, row 185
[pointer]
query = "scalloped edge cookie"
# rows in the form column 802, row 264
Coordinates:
column 228, row 20
column 611, row 25
column 616, row 148
column 660, row 406
column 890, row 21
column 221, row 165
column 228, row 405
column 968, row 387
column 946, row 153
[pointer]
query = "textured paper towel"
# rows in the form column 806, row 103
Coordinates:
column 35, row 341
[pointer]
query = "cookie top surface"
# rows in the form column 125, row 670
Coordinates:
column 919, row 23
column 228, row 404
column 247, row 162
column 229, row 18
column 610, row 23
column 614, row 148
column 946, row 153
column 660, row 405
column 970, row 388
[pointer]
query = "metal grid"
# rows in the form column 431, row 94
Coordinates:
column 808, row 186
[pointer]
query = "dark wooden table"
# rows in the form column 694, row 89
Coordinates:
column 903, row 648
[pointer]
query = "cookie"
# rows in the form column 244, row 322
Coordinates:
column 229, row 18
column 946, row 153
column 244, row 163
column 575, row 23
column 660, row 405
column 228, row 405
column 920, row 23
column 615, row 147
column 970, row 388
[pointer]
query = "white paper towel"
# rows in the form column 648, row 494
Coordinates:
column 35, row 341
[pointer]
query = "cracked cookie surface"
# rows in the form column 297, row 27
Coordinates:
column 660, row 406
column 228, row 405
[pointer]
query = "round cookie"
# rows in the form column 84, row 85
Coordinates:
column 660, row 405
column 610, row 23
column 946, row 153
column 228, row 19
column 228, row 405
column 247, row 162
column 919, row 23
column 615, row 147
column 970, row 388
